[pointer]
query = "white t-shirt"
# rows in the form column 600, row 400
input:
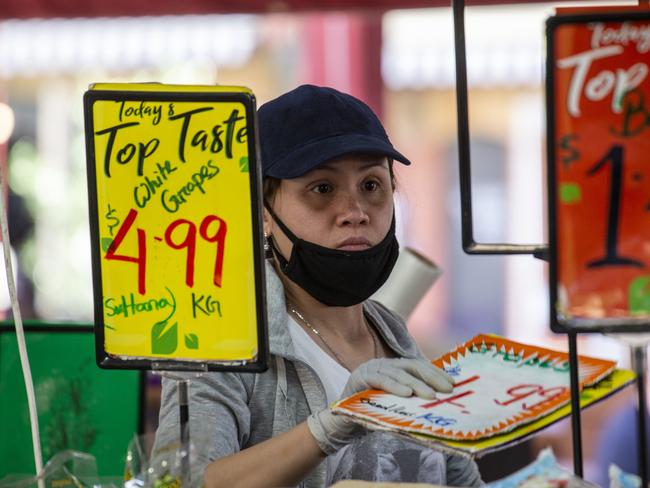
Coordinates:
column 331, row 373
column 378, row 456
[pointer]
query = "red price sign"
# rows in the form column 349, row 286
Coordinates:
column 598, row 95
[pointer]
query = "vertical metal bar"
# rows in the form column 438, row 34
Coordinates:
column 143, row 379
column 465, row 176
column 575, row 403
column 184, row 414
column 640, row 367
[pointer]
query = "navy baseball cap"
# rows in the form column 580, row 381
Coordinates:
column 311, row 125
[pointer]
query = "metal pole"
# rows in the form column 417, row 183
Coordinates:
column 640, row 364
column 184, row 414
column 575, row 403
column 463, row 123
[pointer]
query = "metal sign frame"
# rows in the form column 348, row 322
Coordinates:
column 558, row 323
column 104, row 359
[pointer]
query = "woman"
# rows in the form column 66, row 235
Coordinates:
column 330, row 229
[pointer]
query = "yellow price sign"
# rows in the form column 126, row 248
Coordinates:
column 174, row 190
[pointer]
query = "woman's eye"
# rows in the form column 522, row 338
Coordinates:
column 371, row 185
column 322, row 188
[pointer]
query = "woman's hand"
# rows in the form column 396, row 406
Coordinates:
column 401, row 377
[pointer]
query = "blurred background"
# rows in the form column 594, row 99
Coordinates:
column 401, row 62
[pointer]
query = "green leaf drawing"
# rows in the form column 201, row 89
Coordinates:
column 243, row 164
column 106, row 242
column 164, row 338
column 191, row 341
column 570, row 193
column 639, row 296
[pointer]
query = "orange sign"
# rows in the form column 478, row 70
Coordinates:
column 599, row 168
column 499, row 386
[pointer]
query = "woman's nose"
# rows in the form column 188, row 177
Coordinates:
column 352, row 211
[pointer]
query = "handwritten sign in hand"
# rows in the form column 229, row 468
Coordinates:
column 499, row 385
column 599, row 171
column 175, row 225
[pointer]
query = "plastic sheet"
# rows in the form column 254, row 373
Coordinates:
column 65, row 469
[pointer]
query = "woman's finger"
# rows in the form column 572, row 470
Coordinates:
column 390, row 385
column 430, row 374
column 417, row 386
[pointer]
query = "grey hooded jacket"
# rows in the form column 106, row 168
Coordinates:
column 232, row 411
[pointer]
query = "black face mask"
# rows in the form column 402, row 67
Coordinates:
column 333, row 277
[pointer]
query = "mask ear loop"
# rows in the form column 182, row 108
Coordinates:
column 273, row 249
column 292, row 237
column 278, row 255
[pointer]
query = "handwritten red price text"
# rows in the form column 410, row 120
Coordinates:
column 451, row 399
column 180, row 234
column 515, row 394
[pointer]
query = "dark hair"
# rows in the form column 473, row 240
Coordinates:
column 270, row 185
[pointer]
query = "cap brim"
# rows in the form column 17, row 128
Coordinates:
column 314, row 154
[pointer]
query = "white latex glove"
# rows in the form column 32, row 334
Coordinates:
column 401, row 377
